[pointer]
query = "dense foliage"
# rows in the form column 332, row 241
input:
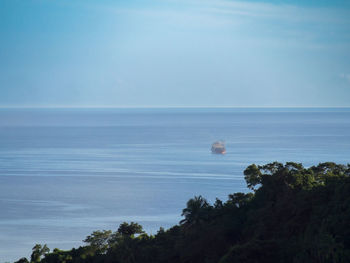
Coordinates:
column 294, row 214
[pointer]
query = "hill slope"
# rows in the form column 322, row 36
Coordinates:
column 294, row 214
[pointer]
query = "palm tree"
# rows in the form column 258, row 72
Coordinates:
column 37, row 252
column 197, row 211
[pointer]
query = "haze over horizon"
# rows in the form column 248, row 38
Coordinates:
column 174, row 53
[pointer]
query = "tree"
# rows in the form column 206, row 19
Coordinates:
column 130, row 230
column 22, row 260
column 239, row 199
column 98, row 240
column 38, row 251
column 197, row 211
column 252, row 176
column 218, row 204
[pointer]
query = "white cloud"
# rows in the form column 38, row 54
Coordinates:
column 254, row 10
column 276, row 21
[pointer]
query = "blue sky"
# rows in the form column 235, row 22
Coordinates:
column 195, row 53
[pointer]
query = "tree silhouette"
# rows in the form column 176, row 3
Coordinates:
column 22, row 260
column 196, row 211
column 131, row 229
column 37, row 252
column 98, row 240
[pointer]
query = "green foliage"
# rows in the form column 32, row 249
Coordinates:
column 38, row 251
column 239, row 199
column 196, row 212
column 98, row 240
column 294, row 214
column 58, row 255
column 252, row 175
column 131, row 229
column 22, row 260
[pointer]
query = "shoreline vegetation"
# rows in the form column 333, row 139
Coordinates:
column 293, row 214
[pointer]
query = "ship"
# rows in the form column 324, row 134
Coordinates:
column 218, row 147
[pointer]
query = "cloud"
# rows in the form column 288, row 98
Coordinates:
column 284, row 12
column 314, row 25
column 254, row 10
column 217, row 8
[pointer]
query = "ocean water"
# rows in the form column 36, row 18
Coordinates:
column 67, row 172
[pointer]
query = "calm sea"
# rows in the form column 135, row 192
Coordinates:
column 67, row 172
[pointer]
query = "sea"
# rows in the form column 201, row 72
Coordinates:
column 67, row 172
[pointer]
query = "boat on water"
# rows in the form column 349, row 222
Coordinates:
column 218, row 147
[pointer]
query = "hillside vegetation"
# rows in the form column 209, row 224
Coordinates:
column 293, row 214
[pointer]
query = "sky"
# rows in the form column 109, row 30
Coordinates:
column 174, row 53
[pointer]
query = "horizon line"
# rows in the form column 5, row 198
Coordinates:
column 170, row 107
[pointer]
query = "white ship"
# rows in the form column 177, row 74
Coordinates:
column 218, row 147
